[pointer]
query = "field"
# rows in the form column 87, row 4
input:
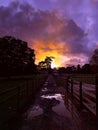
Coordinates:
column 86, row 78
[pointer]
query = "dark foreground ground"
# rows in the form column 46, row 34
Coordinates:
column 54, row 110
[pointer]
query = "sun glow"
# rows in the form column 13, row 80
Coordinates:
column 54, row 65
column 53, row 49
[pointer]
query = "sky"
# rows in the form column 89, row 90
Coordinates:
column 65, row 29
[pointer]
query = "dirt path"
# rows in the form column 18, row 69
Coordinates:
column 53, row 110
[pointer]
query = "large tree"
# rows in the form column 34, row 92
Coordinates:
column 15, row 57
column 94, row 58
column 94, row 61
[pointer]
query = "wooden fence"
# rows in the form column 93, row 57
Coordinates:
column 84, row 93
column 15, row 94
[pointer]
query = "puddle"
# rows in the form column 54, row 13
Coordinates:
column 50, row 96
column 34, row 111
column 50, row 112
column 44, row 90
column 59, row 108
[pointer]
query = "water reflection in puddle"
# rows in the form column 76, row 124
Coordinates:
column 49, row 102
column 50, row 96
column 60, row 107
column 34, row 111
column 44, row 90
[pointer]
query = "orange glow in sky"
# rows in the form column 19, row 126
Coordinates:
column 50, row 49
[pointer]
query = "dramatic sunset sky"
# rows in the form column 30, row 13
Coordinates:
column 65, row 29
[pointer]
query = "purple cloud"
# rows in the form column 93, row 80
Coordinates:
column 70, row 22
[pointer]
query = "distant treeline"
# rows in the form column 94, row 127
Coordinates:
column 16, row 57
column 85, row 69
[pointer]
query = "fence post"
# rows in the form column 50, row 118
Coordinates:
column 81, row 98
column 96, row 101
column 18, row 98
column 71, row 87
column 32, row 87
column 27, row 89
column 67, row 84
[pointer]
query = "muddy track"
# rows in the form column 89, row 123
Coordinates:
column 53, row 110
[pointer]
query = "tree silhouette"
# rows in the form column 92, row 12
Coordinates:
column 86, row 68
column 48, row 61
column 16, row 57
column 42, row 64
column 78, row 69
column 94, row 62
column 94, row 58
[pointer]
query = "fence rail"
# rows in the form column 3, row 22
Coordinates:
column 84, row 93
column 16, row 93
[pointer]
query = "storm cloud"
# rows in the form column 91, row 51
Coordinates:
column 46, row 30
